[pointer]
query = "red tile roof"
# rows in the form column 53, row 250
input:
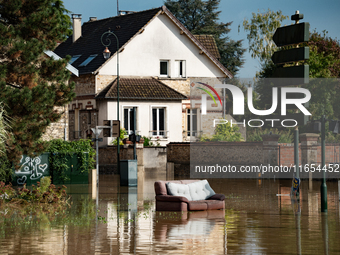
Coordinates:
column 140, row 89
column 209, row 43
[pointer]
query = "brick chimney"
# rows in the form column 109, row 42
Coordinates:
column 76, row 21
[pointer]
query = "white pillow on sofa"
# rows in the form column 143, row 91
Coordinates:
column 200, row 190
column 177, row 189
column 194, row 191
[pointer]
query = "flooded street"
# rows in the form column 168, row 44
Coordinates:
column 256, row 221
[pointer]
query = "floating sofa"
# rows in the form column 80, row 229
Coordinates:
column 187, row 195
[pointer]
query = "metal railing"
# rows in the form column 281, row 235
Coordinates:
column 163, row 134
column 192, row 133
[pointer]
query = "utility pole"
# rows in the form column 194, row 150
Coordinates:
column 323, row 188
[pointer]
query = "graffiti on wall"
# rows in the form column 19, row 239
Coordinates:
column 31, row 169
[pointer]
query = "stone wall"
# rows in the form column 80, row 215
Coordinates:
column 85, row 84
column 56, row 130
column 180, row 85
column 102, row 81
column 154, row 158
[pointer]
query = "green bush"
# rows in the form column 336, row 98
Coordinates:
column 122, row 135
column 5, row 169
column 149, row 143
column 255, row 135
column 224, row 132
column 44, row 192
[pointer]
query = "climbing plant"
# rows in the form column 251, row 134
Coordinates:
column 62, row 150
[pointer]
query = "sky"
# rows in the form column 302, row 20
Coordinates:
column 322, row 15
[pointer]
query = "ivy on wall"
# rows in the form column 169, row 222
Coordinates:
column 62, row 150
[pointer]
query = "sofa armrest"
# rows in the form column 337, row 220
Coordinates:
column 169, row 198
column 217, row 197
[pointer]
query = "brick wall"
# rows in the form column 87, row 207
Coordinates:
column 240, row 153
column 108, row 158
column 331, row 153
column 286, row 154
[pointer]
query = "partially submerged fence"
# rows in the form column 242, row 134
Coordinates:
column 31, row 170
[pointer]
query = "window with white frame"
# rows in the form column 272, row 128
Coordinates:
column 164, row 68
column 129, row 120
column 158, row 117
column 180, row 69
column 191, row 122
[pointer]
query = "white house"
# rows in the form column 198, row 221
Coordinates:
column 156, row 54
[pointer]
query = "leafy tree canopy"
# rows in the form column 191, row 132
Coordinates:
column 324, row 62
column 32, row 84
column 261, row 28
column 201, row 18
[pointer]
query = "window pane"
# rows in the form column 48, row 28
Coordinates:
column 164, row 68
column 74, row 58
column 188, row 123
column 194, row 124
column 181, row 68
column 161, row 121
column 154, row 121
column 88, row 60
column 132, row 126
column 126, row 119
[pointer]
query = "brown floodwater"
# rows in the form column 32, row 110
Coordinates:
column 123, row 221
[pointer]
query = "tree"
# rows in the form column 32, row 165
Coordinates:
column 324, row 62
column 261, row 28
column 201, row 17
column 32, row 84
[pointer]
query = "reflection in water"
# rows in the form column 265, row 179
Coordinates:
column 255, row 221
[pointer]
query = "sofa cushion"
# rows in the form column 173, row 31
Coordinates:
column 176, row 189
column 197, row 205
column 160, row 187
column 200, row 190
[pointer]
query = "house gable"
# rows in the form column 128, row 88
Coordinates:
column 124, row 26
column 162, row 39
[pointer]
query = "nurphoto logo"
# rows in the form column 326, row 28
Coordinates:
column 238, row 102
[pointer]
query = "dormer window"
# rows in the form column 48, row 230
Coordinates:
column 88, row 60
column 74, row 58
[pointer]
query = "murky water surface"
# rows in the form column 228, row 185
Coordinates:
column 256, row 221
